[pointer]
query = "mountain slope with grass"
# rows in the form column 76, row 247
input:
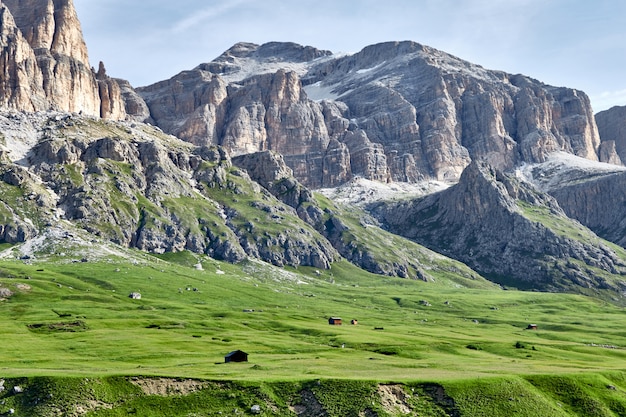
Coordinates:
column 133, row 263
column 75, row 343
column 510, row 232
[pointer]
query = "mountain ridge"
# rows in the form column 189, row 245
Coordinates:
column 249, row 145
column 396, row 111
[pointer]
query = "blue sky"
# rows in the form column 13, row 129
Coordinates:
column 573, row 43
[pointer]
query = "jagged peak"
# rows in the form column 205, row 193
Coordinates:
column 272, row 51
column 485, row 180
column 245, row 59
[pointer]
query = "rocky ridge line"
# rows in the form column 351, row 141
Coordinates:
column 498, row 225
column 396, row 111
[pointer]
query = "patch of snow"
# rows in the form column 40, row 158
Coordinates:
column 366, row 70
column 361, row 191
column 561, row 168
column 319, row 92
column 64, row 239
column 249, row 67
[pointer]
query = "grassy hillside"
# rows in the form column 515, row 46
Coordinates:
column 72, row 319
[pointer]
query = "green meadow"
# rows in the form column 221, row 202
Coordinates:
column 68, row 322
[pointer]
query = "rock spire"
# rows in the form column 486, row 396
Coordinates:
column 45, row 64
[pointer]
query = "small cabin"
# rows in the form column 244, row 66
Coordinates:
column 334, row 321
column 236, row 356
column 531, row 327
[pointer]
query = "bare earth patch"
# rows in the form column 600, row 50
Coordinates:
column 5, row 293
column 90, row 406
column 393, row 399
column 165, row 387
column 309, row 406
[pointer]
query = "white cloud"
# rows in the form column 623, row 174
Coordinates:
column 208, row 13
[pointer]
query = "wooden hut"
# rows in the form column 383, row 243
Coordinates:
column 236, row 356
column 335, row 321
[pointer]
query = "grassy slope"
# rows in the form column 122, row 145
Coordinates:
column 388, row 249
column 187, row 320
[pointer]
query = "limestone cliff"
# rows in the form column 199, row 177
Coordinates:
column 21, row 81
column 509, row 231
column 612, row 128
column 46, row 65
column 592, row 193
column 396, row 111
column 133, row 185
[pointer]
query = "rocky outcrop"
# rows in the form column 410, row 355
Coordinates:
column 21, row 86
column 46, row 65
column 112, row 105
column 135, row 107
column 612, row 128
column 592, row 193
column 397, row 111
column 353, row 233
column 134, row 186
column 508, row 231
column 599, row 203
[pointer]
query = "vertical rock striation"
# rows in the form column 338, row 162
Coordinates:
column 46, row 65
column 396, row 111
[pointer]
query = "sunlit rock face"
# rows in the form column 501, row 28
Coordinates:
column 397, row 111
column 46, row 64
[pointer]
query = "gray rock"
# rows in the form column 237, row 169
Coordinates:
column 47, row 65
column 612, row 128
column 398, row 111
column 483, row 222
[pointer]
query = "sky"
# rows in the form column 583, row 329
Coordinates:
column 579, row 44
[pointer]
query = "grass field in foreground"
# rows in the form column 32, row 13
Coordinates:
column 76, row 319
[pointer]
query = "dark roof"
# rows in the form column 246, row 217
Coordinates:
column 235, row 352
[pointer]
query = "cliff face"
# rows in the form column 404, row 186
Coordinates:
column 46, row 65
column 612, row 128
column 394, row 111
column 22, row 81
column 135, row 186
column 592, row 193
column 508, row 231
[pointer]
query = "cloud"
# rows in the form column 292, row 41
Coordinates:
column 205, row 14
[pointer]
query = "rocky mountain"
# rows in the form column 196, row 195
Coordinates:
column 612, row 127
column 130, row 184
column 396, row 111
column 592, row 193
column 134, row 186
column 223, row 160
column 44, row 63
column 509, row 231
